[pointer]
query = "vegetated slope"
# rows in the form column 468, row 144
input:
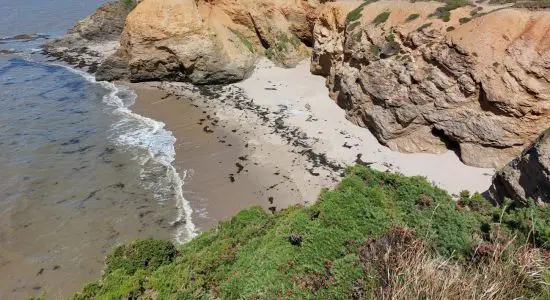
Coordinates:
column 377, row 235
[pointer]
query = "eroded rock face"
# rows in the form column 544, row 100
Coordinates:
column 93, row 39
column 526, row 177
column 209, row 41
column 169, row 40
column 420, row 86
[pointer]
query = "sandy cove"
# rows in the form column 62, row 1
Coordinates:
column 293, row 140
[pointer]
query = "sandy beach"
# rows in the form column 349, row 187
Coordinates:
column 276, row 139
column 211, row 158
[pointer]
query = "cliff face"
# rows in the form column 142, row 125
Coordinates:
column 421, row 84
column 526, row 177
column 421, row 76
column 93, row 39
column 209, row 41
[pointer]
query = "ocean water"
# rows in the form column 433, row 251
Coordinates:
column 81, row 173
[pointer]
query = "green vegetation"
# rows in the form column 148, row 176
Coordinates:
column 381, row 18
column 375, row 50
column 412, row 17
column 355, row 14
column 543, row 135
column 423, row 26
column 243, row 39
column 531, row 4
column 464, row 20
column 378, row 235
column 129, row 3
column 444, row 13
column 450, row 28
column 351, row 27
column 283, row 45
column 147, row 254
column 270, row 53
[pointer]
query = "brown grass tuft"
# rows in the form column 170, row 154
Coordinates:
column 408, row 270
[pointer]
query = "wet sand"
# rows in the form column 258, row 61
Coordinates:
column 220, row 178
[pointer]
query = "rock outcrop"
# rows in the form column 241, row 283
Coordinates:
column 422, row 84
column 209, row 41
column 526, row 177
column 93, row 39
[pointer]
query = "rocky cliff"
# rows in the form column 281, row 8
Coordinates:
column 424, row 76
column 93, row 39
column 209, row 41
column 526, row 177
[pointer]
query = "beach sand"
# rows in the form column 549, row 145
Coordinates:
column 285, row 135
column 292, row 125
column 211, row 160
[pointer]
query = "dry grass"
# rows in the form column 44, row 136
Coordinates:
column 410, row 271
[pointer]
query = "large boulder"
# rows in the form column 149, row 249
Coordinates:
column 423, row 84
column 209, row 41
column 170, row 40
column 526, row 177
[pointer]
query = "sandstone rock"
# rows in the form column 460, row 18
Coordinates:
column 526, row 177
column 209, row 41
column 482, row 88
column 171, row 40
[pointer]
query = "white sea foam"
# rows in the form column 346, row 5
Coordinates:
column 158, row 172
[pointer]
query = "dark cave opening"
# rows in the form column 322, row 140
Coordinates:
column 450, row 143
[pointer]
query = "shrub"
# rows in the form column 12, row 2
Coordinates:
column 444, row 13
column 129, row 3
column 142, row 254
column 381, row 18
column 355, row 14
column 424, row 26
column 454, row 4
column 450, row 28
column 445, row 16
column 283, row 45
column 412, row 17
column 464, row 20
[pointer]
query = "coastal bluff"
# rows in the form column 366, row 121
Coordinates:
column 209, row 42
column 421, row 76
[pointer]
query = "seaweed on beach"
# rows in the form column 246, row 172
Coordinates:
column 274, row 119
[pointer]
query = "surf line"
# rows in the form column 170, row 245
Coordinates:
column 163, row 153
